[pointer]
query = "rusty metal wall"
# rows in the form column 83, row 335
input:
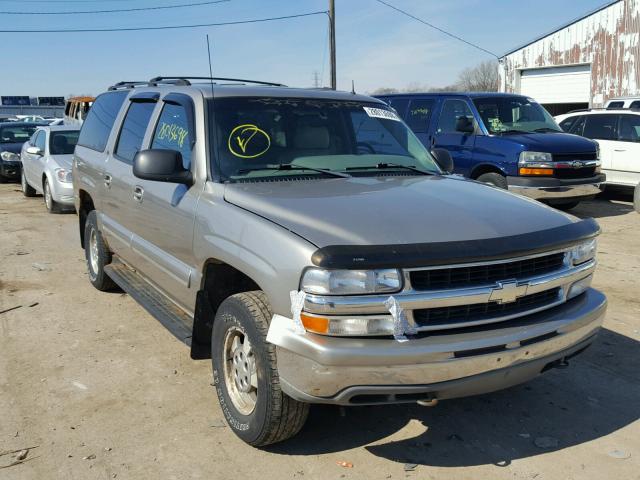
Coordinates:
column 608, row 40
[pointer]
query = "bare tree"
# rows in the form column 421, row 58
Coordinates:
column 481, row 78
column 385, row 91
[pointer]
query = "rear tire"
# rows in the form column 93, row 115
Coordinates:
column 494, row 179
column 97, row 254
column 27, row 190
column 245, row 373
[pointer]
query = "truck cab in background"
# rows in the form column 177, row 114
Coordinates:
column 506, row 140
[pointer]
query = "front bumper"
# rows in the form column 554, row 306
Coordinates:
column 547, row 188
column 62, row 193
column 357, row 371
column 10, row 169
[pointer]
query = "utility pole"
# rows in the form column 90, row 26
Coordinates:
column 332, row 42
column 316, row 79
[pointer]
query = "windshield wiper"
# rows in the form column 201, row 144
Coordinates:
column 547, row 129
column 384, row 165
column 511, row 131
column 293, row 166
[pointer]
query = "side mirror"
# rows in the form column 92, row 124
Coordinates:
column 464, row 125
column 161, row 166
column 443, row 159
column 34, row 151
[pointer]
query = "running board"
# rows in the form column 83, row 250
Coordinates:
column 174, row 319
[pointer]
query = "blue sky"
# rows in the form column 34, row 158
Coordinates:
column 377, row 47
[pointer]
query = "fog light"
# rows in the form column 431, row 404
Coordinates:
column 579, row 287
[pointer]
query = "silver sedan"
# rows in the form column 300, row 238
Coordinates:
column 46, row 166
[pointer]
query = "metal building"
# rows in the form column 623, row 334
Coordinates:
column 580, row 64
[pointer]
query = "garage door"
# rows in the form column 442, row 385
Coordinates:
column 557, row 84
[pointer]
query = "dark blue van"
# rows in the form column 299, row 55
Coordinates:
column 507, row 140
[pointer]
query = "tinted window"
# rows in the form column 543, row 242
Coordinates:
column 635, row 104
column 133, row 127
column 16, row 134
column 452, row 110
column 40, row 138
column 615, row 105
column 63, row 142
column 567, row 123
column 419, row 115
column 172, row 132
column 400, row 104
column 601, row 127
column 97, row 126
column 629, row 130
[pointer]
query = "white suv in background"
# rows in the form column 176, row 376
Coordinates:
column 617, row 131
column 623, row 102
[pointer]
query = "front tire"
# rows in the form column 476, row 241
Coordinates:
column 27, row 190
column 97, row 254
column 49, row 202
column 245, row 373
column 494, row 179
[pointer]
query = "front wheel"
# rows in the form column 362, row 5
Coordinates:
column 27, row 190
column 49, row 202
column 245, row 373
column 494, row 179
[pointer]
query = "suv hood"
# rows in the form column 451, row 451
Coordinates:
column 551, row 142
column 393, row 210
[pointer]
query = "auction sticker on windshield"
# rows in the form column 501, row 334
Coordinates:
column 381, row 113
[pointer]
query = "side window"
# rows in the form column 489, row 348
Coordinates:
column 567, row 123
column 400, row 104
column 578, row 127
column 173, row 132
column 32, row 140
column 419, row 115
column 629, row 130
column 452, row 111
column 40, row 140
column 601, row 127
column 133, row 128
column 613, row 105
column 99, row 122
column 635, row 104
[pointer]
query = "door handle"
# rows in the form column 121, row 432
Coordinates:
column 138, row 193
column 107, row 180
column 617, row 150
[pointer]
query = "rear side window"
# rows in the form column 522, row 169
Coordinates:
column 629, row 130
column 133, row 128
column 173, row 132
column 602, row 127
column 419, row 115
column 615, row 105
column 635, row 104
column 99, row 122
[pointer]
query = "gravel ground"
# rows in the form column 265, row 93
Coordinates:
column 101, row 390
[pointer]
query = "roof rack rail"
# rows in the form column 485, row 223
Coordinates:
column 588, row 109
column 126, row 84
column 185, row 81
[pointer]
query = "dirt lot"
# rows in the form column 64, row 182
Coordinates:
column 104, row 391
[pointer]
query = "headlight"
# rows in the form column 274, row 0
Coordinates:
column 350, row 282
column 535, row 163
column 345, row 326
column 10, row 157
column 63, row 175
column 583, row 252
column 535, row 157
column 597, row 150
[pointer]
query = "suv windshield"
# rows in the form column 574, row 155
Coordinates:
column 503, row 115
column 63, row 142
column 260, row 137
column 16, row 133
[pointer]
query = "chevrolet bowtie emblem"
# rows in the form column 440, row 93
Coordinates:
column 577, row 164
column 508, row 291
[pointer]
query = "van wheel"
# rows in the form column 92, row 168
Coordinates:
column 27, row 190
column 565, row 206
column 96, row 254
column 245, row 373
column 494, row 179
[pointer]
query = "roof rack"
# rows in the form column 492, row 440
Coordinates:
column 184, row 80
column 604, row 109
column 125, row 84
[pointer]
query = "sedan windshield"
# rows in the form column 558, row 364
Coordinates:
column 63, row 142
column 504, row 115
column 16, row 133
column 267, row 137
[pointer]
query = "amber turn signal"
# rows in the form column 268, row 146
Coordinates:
column 536, row 171
column 315, row 324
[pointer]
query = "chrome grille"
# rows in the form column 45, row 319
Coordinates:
column 456, row 277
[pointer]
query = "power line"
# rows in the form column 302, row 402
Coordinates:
column 138, row 9
column 165, row 27
column 438, row 28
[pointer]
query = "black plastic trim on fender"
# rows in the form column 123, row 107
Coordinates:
column 447, row 253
